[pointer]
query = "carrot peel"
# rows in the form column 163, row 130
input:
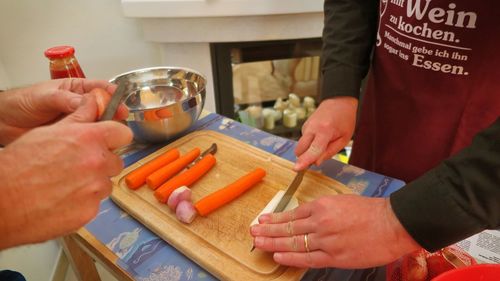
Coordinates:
column 227, row 194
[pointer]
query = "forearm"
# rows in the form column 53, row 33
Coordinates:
column 348, row 38
column 8, row 104
column 458, row 198
column 10, row 206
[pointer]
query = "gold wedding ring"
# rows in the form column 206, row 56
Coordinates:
column 306, row 243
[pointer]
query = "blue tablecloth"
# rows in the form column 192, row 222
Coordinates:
column 147, row 257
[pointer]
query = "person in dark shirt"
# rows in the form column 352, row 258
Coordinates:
column 432, row 87
column 456, row 199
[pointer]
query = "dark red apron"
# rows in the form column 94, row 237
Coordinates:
column 434, row 84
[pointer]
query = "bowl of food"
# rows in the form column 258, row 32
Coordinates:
column 163, row 102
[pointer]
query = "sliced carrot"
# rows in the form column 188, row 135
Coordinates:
column 164, row 113
column 150, row 115
column 227, row 194
column 159, row 114
column 187, row 178
column 137, row 177
column 164, row 173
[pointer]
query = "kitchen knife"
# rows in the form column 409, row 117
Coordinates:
column 290, row 191
column 212, row 149
column 116, row 99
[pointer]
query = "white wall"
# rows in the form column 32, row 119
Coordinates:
column 35, row 262
column 4, row 79
column 106, row 44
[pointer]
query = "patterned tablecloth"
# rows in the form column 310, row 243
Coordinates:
column 147, row 257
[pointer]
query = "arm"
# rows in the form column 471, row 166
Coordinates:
column 340, row 230
column 348, row 38
column 459, row 198
column 50, row 170
column 44, row 103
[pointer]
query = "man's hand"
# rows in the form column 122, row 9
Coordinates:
column 44, row 103
column 54, row 177
column 326, row 132
column 346, row 231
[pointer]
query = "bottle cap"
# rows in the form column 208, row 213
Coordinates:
column 59, row 52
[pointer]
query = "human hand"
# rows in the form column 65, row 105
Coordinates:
column 54, row 177
column 345, row 231
column 44, row 103
column 326, row 131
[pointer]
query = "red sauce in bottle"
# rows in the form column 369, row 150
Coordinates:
column 63, row 63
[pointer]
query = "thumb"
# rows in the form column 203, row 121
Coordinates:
column 114, row 133
column 86, row 112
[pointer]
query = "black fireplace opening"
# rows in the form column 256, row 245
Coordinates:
column 271, row 85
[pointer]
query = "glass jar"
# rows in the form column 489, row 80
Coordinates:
column 63, row 63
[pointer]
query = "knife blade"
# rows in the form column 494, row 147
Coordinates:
column 212, row 150
column 116, row 99
column 290, row 191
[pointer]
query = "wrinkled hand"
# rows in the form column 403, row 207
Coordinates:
column 54, row 177
column 44, row 103
column 326, row 132
column 345, row 231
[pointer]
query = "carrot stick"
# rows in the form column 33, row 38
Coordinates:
column 187, row 178
column 227, row 194
column 137, row 177
column 164, row 173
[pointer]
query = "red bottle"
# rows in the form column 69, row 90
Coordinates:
column 63, row 62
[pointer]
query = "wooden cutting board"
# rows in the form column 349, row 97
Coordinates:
column 221, row 242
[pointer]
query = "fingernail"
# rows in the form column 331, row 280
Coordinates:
column 264, row 218
column 75, row 102
column 296, row 167
column 277, row 256
column 259, row 241
column 254, row 230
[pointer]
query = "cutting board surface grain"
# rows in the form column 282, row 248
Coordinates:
column 221, row 242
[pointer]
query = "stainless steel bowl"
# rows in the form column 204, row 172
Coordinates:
column 163, row 101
